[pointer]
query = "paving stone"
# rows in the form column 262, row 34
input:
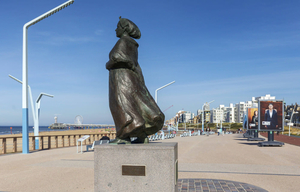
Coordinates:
column 214, row 185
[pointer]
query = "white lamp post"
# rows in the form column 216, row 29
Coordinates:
column 37, row 117
column 222, row 120
column 291, row 121
column 25, row 142
column 35, row 111
column 162, row 88
column 205, row 104
column 30, row 95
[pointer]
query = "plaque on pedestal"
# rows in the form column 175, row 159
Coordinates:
column 136, row 167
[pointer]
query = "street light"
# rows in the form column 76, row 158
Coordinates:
column 30, row 95
column 35, row 111
column 222, row 119
column 25, row 142
column 291, row 122
column 205, row 104
column 37, row 117
column 162, row 88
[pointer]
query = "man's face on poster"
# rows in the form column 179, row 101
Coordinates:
column 270, row 107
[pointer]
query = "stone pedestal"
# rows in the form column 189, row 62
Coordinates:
column 136, row 167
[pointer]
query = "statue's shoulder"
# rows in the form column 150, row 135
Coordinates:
column 120, row 44
column 128, row 40
column 124, row 42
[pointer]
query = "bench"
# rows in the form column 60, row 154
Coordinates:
column 100, row 142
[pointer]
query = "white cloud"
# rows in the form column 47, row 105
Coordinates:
column 263, row 41
column 60, row 40
column 270, row 80
column 99, row 32
column 51, row 38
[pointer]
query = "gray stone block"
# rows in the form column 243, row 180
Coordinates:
column 158, row 159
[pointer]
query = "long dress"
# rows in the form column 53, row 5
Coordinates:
column 134, row 110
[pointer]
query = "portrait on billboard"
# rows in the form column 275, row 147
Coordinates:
column 271, row 115
column 252, row 118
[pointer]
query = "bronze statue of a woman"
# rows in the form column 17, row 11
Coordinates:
column 134, row 110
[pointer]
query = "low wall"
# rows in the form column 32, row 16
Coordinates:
column 13, row 144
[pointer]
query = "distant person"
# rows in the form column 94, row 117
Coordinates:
column 271, row 116
column 162, row 133
column 105, row 137
column 207, row 131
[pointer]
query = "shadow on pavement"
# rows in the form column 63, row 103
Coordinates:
column 243, row 139
column 249, row 143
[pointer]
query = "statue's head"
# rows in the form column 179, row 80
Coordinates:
column 127, row 28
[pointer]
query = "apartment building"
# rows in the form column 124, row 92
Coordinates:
column 232, row 114
column 217, row 115
column 187, row 117
column 266, row 97
column 241, row 108
column 206, row 115
column 229, row 114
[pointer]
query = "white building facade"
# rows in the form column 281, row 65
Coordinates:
column 241, row 109
column 206, row 115
column 187, row 117
column 230, row 114
column 217, row 115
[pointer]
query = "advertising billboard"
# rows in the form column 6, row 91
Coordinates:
column 270, row 115
column 252, row 121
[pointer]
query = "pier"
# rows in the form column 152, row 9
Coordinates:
column 79, row 126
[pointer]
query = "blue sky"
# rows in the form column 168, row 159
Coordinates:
column 227, row 51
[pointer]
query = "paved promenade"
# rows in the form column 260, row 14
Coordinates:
column 206, row 161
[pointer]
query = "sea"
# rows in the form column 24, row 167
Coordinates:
column 5, row 130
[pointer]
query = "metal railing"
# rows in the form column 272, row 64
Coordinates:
column 13, row 144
